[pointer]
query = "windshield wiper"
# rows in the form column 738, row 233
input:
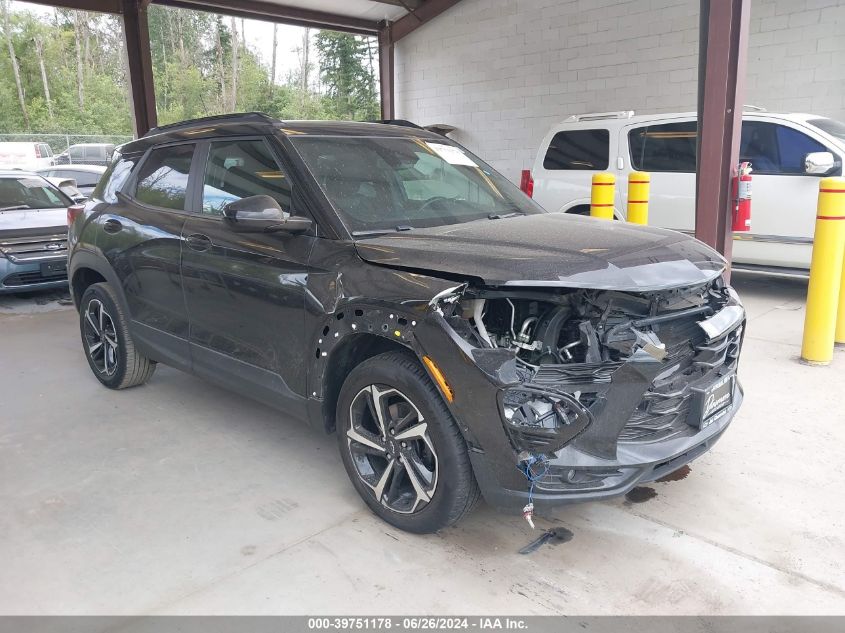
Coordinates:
column 401, row 227
column 16, row 207
column 501, row 216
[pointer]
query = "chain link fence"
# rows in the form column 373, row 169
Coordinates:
column 60, row 142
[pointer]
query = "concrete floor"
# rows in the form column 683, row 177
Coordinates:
column 180, row 498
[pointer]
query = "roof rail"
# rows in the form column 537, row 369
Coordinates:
column 598, row 116
column 755, row 108
column 258, row 117
column 402, row 122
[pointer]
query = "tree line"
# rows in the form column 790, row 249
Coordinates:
column 65, row 71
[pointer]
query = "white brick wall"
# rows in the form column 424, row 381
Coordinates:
column 503, row 71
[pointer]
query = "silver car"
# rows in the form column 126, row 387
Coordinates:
column 33, row 233
column 86, row 176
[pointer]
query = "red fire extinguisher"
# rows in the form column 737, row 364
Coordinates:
column 742, row 198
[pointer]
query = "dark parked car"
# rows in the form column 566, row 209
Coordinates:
column 87, row 154
column 86, row 176
column 33, row 233
column 382, row 282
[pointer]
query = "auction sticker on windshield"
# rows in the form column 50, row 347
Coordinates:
column 452, row 155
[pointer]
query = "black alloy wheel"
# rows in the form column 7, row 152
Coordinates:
column 401, row 447
column 107, row 342
column 391, row 448
column 100, row 336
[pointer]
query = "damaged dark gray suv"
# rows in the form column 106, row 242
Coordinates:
column 382, row 282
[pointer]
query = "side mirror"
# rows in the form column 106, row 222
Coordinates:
column 819, row 163
column 262, row 214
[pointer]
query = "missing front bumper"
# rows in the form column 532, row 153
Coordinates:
column 574, row 476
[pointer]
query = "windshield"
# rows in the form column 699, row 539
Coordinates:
column 30, row 192
column 831, row 126
column 381, row 184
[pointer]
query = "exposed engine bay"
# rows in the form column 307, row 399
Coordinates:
column 567, row 345
column 584, row 326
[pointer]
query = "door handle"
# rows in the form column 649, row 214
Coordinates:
column 198, row 242
column 112, row 226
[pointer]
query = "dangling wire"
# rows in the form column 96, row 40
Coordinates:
column 527, row 468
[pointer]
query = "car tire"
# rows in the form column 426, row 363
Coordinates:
column 431, row 484
column 107, row 343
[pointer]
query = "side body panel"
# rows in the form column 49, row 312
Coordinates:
column 562, row 190
column 245, row 297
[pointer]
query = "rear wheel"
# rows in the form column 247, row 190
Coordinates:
column 107, row 343
column 401, row 447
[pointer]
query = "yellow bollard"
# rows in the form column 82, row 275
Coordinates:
column 823, row 292
column 601, row 200
column 638, row 186
column 839, row 335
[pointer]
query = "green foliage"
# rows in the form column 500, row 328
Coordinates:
column 193, row 69
column 346, row 69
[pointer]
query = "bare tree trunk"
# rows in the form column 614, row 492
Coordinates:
column 39, row 51
column 7, row 29
column 233, row 102
column 80, row 75
column 181, row 35
column 87, row 40
column 275, row 48
column 165, row 89
column 218, row 25
column 306, row 61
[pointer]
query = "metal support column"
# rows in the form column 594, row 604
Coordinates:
column 385, row 71
column 136, row 36
column 723, row 44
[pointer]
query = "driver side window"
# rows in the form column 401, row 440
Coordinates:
column 775, row 149
column 240, row 169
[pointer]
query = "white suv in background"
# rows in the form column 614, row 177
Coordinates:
column 788, row 153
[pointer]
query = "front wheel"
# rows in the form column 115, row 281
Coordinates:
column 401, row 447
column 107, row 343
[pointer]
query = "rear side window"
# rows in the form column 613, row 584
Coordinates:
column 240, row 169
column 775, row 149
column 578, row 150
column 163, row 177
column 666, row 147
column 113, row 179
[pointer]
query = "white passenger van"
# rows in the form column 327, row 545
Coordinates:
column 25, row 155
column 788, row 154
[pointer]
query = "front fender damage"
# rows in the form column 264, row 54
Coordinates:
column 565, row 392
column 576, row 378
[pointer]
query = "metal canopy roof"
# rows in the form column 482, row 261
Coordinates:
column 357, row 16
column 367, row 9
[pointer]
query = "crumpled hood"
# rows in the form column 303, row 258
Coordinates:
column 26, row 222
column 551, row 250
